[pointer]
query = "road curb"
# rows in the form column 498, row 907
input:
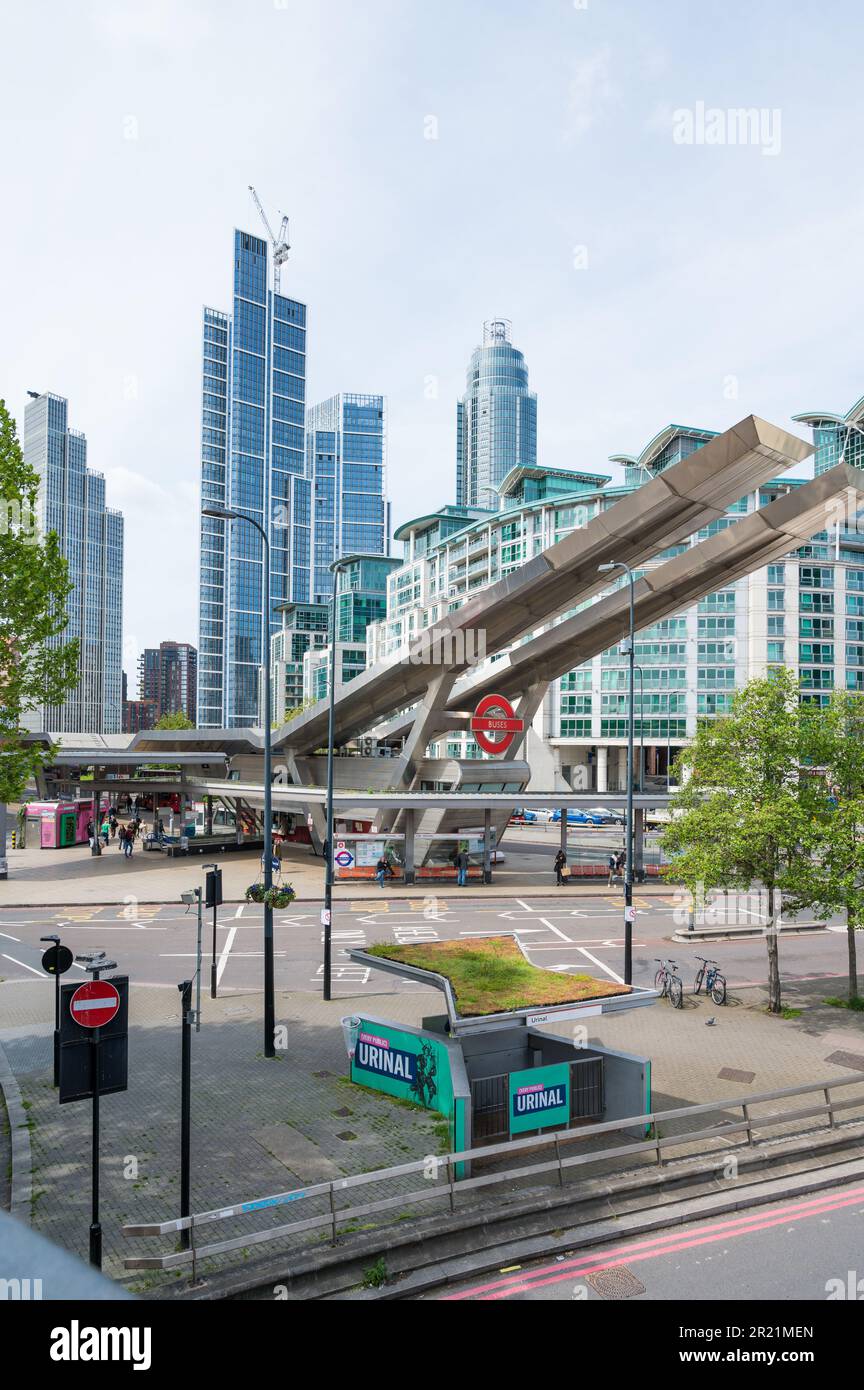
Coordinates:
column 19, row 1138
column 618, row 1228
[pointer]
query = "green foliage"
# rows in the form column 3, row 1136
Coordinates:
column 33, row 592
column 174, row 721
column 836, row 877
column 376, row 1275
column 748, row 812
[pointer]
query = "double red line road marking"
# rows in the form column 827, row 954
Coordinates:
column 668, row 1244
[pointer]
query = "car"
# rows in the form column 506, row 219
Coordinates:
column 608, row 817
column 538, row 815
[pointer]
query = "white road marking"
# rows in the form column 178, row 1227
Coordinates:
column 24, row 966
column 226, row 951
column 239, row 912
column 524, row 906
column 10, row 938
column 600, row 963
column 556, row 930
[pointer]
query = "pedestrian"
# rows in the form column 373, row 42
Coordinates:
column 91, row 832
column 121, row 838
column 462, row 868
column 106, row 831
column 113, row 823
column 613, row 866
column 560, row 865
column 128, row 840
column 381, row 871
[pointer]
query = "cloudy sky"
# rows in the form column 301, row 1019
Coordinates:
column 571, row 166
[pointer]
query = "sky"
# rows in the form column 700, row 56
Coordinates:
column 568, row 164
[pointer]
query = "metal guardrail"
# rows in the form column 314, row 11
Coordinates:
column 445, row 1166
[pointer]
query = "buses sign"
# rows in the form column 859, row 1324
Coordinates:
column 494, row 724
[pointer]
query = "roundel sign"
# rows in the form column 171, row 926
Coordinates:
column 494, row 724
column 94, row 1004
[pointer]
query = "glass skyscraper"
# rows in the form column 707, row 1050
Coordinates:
column 836, row 437
column 72, row 503
column 496, row 420
column 346, row 460
column 252, row 461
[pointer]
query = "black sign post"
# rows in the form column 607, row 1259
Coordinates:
column 185, row 1104
column 213, row 898
column 56, row 961
column 93, row 1056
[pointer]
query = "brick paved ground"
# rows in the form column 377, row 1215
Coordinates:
column 247, row 1110
column 67, row 877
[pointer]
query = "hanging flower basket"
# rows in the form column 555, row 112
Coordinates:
column 280, row 897
column 276, row 897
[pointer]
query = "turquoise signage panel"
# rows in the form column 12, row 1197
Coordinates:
column 401, row 1064
column 539, row 1098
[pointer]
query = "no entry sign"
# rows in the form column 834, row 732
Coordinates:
column 494, row 724
column 94, row 1004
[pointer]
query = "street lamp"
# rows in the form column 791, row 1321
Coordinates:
column 327, row 916
column 628, row 870
column 226, row 514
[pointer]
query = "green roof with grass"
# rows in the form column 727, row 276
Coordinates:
column 492, row 976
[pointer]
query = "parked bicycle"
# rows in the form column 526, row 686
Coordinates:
column 714, row 982
column 669, row 983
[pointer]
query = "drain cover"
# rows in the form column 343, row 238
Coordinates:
column 346, row 1134
column 730, row 1074
column 617, row 1282
column 847, row 1059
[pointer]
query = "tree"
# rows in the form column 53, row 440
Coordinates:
column 175, row 721
column 34, row 587
column 836, row 878
column 746, row 814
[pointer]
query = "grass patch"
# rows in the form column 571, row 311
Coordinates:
column 856, row 1004
column 375, row 1276
column 492, row 976
column 791, row 1013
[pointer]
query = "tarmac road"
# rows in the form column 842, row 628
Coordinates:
column 156, row 945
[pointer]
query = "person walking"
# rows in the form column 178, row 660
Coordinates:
column 128, row 840
column 560, row 866
column 461, row 868
column 113, row 823
column 91, row 832
column 106, row 831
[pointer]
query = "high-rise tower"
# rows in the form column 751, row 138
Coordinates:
column 252, row 461
column 496, row 427
column 72, row 503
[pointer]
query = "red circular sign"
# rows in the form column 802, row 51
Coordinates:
column 94, row 1004
column 494, row 724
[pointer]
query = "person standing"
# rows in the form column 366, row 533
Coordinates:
column 91, row 832
column 613, row 866
column 560, row 866
column 462, row 868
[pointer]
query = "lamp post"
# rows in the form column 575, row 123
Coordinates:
column 628, row 872
column 327, row 915
column 226, row 514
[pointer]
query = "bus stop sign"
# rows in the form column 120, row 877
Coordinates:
column 494, row 724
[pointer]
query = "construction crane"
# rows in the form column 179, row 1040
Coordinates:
column 280, row 244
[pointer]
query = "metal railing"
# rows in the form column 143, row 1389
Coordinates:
column 441, row 1183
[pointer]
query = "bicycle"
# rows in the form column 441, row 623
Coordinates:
column 669, row 983
column 715, row 983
